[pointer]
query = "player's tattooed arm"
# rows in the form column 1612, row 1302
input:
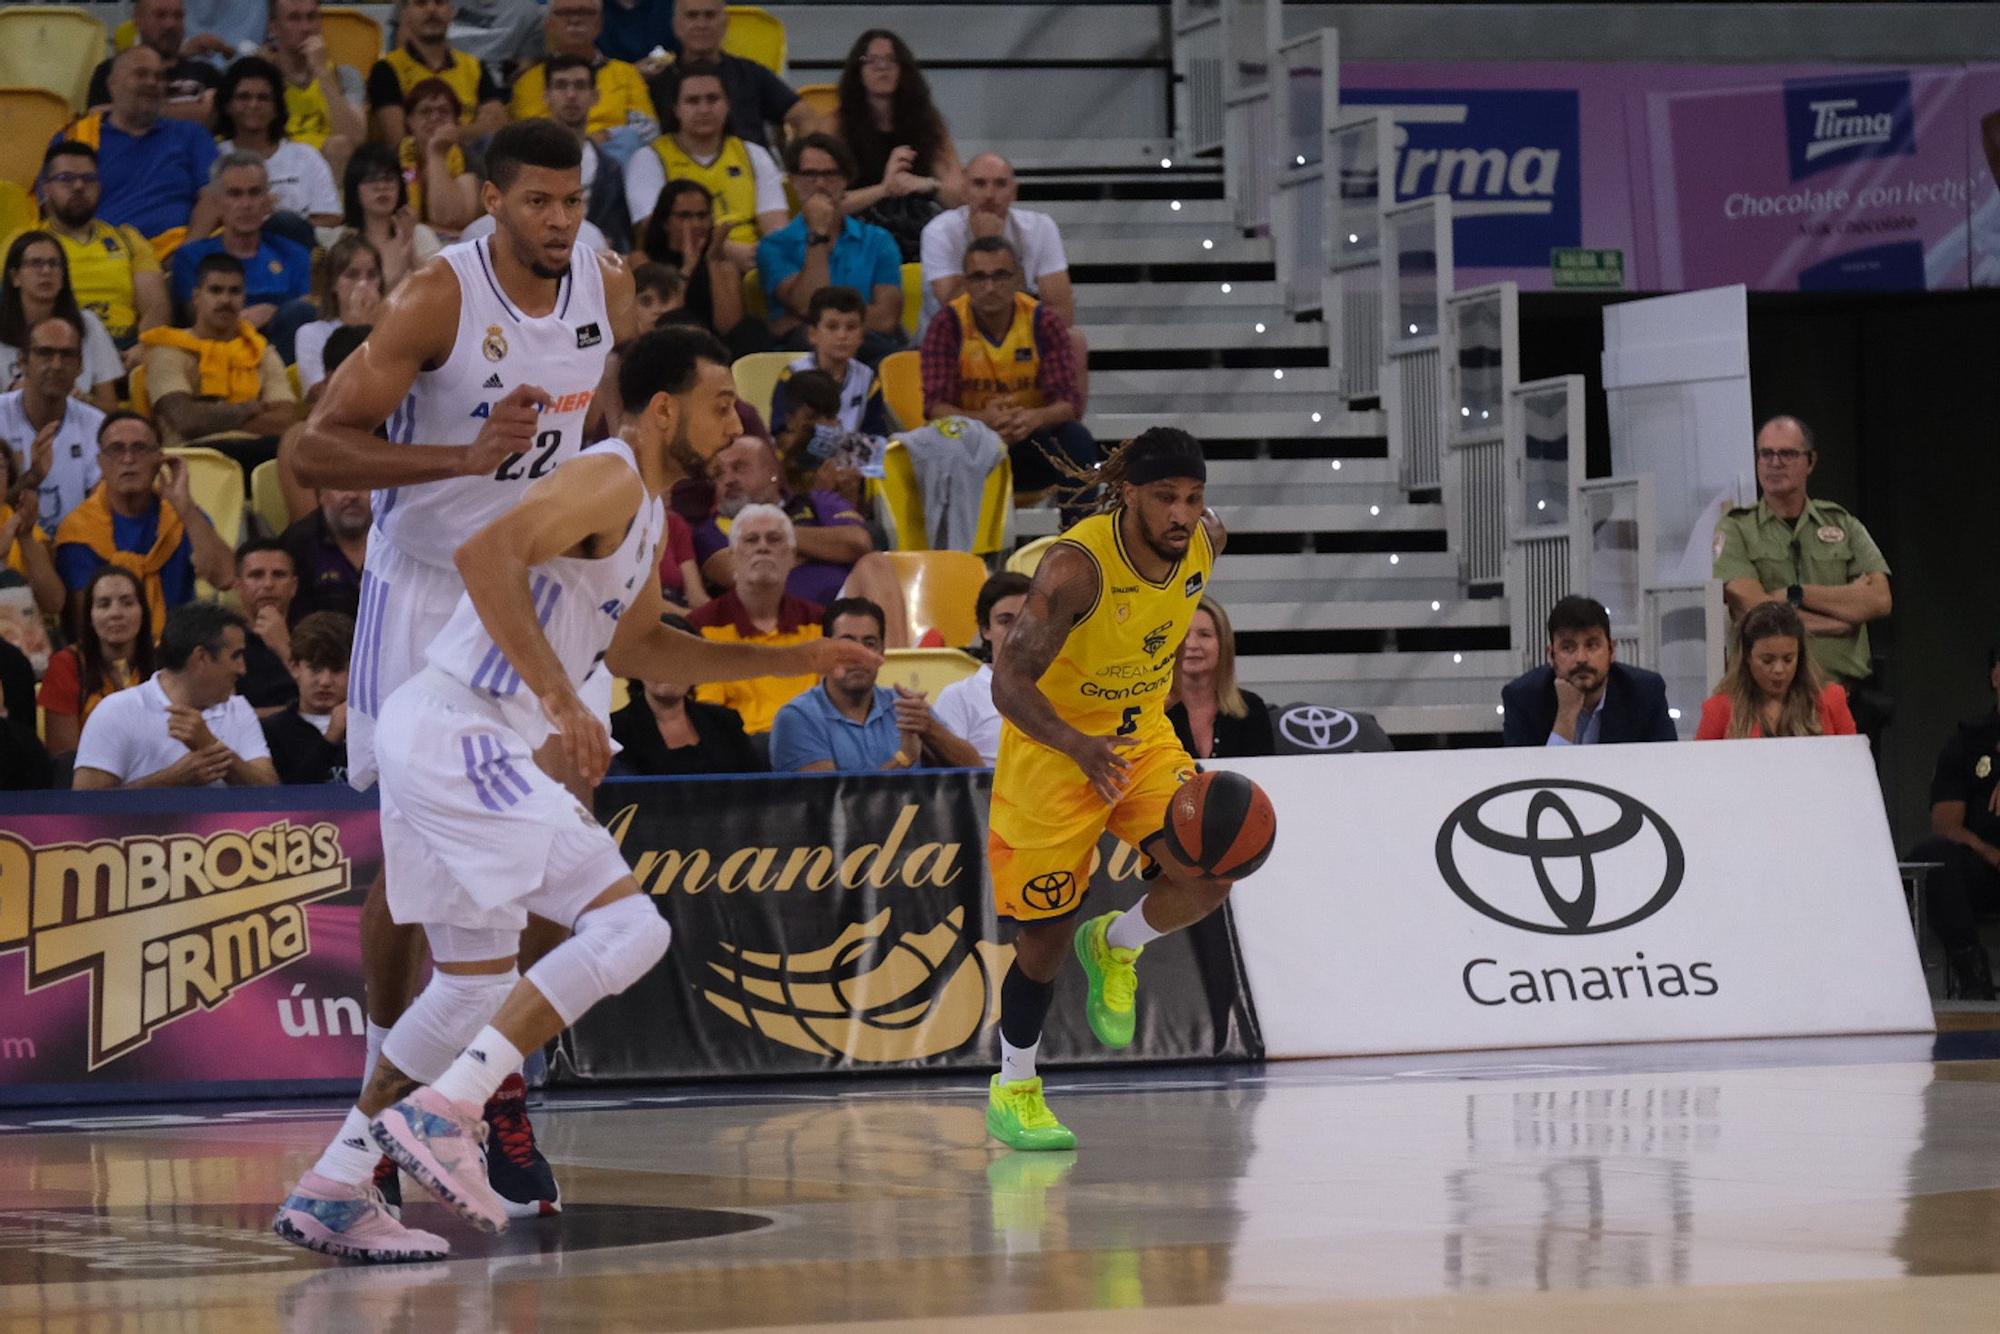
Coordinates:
column 1066, row 586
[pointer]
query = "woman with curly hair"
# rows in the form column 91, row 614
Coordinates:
column 908, row 167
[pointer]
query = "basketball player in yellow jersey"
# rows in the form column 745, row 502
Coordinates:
column 1081, row 685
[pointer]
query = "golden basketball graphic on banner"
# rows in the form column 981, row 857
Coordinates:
column 868, row 996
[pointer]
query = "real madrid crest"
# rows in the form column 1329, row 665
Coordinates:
column 1983, row 769
column 495, row 346
column 1831, row 534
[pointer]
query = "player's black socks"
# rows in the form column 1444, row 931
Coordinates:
column 1024, row 1004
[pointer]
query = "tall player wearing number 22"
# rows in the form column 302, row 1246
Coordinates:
column 1082, row 685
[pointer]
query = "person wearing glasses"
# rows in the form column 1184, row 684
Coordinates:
column 113, row 270
column 825, row 247
column 1810, row 553
column 51, row 434
column 34, row 285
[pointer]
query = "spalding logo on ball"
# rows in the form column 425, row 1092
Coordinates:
column 1221, row 824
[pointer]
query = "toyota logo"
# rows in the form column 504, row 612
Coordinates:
column 1559, row 856
column 1311, row 727
column 1050, row 892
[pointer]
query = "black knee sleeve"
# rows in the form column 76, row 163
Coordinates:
column 1024, row 1004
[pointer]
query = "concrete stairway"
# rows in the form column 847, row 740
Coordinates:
column 1338, row 581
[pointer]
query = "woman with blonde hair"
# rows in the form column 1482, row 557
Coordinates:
column 1211, row 714
column 1772, row 687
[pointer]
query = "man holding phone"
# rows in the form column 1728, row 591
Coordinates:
column 142, row 515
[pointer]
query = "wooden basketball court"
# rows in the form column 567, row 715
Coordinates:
column 1823, row 1184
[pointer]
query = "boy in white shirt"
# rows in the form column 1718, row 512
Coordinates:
column 834, row 328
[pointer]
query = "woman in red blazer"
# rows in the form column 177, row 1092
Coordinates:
column 1772, row 687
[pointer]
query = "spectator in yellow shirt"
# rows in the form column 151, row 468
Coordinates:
column 113, row 270
column 622, row 99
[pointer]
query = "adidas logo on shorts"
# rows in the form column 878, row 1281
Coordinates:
column 493, row 382
column 355, row 1142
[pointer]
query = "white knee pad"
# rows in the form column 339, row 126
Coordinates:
column 438, row 1024
column 612, row 948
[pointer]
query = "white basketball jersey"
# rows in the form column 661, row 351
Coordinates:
column 497, row 348
column 579, row 603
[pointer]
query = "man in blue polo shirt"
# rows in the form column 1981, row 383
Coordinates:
column 849, row 724
column 823, row 247
column 152, row 168
column 277, row 271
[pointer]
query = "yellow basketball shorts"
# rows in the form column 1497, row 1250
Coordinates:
column 1047, row 819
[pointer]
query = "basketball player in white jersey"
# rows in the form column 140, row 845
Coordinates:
column 483, row 365
column 559, row 589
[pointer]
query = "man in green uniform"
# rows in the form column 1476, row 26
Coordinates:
column 1811, row 553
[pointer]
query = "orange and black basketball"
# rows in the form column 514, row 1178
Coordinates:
column 1221, row 824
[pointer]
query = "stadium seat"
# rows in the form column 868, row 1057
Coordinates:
column 136, row 396
column 33, row 116
column 939, row 589
column 903, row 387
column 297, row 380
column 352, row 38
column 904, row 496
column 913, row 298
column 267, row 498
column 17, row 209
column 126, row 34
column 756, row 34
column 823, row 98
column 753, row 296
column 53, row 47
column 757, row 378
column 217, row 484
column 927, row 669
column 1028, row 557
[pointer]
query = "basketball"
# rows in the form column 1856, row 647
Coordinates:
column 1221, row 824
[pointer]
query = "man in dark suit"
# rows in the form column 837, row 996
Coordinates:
column 1584, row 697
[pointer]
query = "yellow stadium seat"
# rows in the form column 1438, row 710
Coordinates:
column 17, row 210
column 352, row 38
column 753, row 296
column 939, row 590
column 927, row 669
column 1029, row 556
column 824, row 99
column 757, row 378
column 903, row 387
column 913, row 297
column 905, row 498
column 50, row 46
column 32, row 116
column 217, row 484
column 756, row 34
column 267, row 498
column 126, row 36
column 135, row 391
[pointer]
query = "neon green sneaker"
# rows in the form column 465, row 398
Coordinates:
column 1017, row 1116
column 1114, row 982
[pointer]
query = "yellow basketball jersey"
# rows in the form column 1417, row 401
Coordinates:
column 1013, row 366
column 730, row 178
column 463, row 76
column 307, row 116
column 1117, row 666
column 101, row 271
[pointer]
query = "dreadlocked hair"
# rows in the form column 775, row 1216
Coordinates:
column 1164, row 442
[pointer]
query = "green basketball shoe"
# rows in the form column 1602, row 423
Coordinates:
column 1114, row 982
column 1017, row 1116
